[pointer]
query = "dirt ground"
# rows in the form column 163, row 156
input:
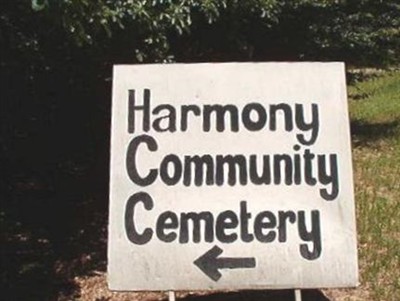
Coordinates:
column 94, row 288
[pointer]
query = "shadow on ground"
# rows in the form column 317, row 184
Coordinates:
column 259, row 295
column 366, row 134
column 54, row 199
column 54, row 158
column 53, row 182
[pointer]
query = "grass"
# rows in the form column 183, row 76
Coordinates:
column 375, row 115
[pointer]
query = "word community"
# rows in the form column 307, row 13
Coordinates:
column 226, row 227
column 218, row 170
column 297, row 166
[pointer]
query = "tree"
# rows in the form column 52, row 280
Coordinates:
column 362, row 32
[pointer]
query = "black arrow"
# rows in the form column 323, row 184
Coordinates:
column 210, row 263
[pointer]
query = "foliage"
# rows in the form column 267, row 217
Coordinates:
column 361, row 32
column 151, row 24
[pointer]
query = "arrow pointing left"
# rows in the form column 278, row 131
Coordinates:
column 210, row 263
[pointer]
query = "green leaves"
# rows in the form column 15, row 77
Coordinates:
column 38, row 5
column 360, row 31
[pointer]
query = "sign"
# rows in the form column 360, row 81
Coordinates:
column 231, row 176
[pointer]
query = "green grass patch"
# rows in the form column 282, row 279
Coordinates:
column 375, row 114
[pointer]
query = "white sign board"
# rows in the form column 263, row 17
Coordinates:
column 231, row 176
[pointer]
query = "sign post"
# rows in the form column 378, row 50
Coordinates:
column 231, row 176
column 171, row 296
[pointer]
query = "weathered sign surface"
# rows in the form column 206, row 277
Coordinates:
column 231, row 176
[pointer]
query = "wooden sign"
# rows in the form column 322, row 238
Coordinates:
column 231, row 176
